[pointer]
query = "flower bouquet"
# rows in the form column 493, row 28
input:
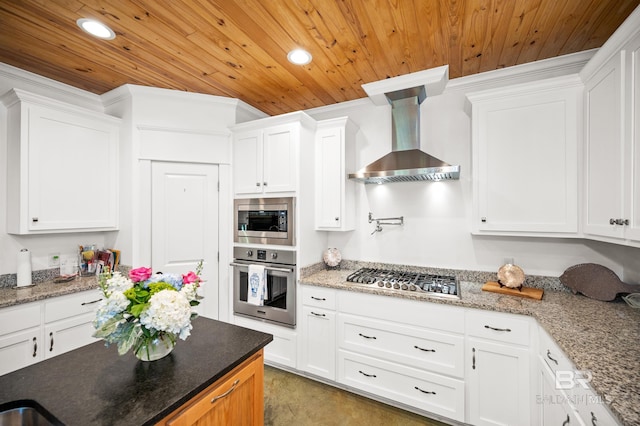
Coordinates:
column 146, row 312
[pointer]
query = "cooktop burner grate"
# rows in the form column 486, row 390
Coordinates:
column 437, row 285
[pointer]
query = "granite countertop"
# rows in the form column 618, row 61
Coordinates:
column 93, row 385
column 602, row 337
column 10, row 296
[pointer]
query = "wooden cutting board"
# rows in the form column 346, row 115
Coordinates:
column 529, row 292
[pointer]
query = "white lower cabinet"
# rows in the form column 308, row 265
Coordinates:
column 21, row 342
column 35, row 331
column 397, row 349
column 499, row 369
column 318, row 352
column 283, row 348
column 565, row 392
column 426, row 391
column 555, row 408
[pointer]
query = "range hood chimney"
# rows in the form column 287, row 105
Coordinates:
column 406, row 162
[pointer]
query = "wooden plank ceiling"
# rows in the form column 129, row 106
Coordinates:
column 238, row 48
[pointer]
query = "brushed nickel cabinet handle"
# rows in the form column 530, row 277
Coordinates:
column 233, row 387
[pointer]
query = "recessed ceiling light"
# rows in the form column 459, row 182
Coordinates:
column 299, row 57
column 96, row 29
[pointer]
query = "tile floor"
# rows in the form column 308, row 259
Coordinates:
column 292, row 400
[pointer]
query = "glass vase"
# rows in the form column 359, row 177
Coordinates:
column 155, row 349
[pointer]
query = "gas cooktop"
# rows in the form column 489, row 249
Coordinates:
column 434, row 285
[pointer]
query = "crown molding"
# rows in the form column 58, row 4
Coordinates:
column 525, row 73
column 26, row 80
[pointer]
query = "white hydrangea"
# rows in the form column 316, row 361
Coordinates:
column 168, row 311
column 109, row 307
column 118, row 282
column 189, row 291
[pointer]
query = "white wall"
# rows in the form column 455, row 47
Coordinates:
column 437, row 229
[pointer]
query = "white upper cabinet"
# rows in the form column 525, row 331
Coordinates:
column 612, row 138
column 604, row 151
column 265, row 155
column 525, row 158
column 335, row 157
column 62, row 169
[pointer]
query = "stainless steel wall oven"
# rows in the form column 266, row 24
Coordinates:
column 280, row 265
column 264, row 221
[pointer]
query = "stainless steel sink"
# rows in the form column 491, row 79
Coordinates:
column 26, row 412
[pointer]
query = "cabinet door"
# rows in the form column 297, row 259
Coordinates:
column 632, row 212
column 604, row 149
column 329, row 178
column 20, row 349
column 555, row 409
column 247, row 163
column 237, row 399
column 498, row 384
column 67, row 335
column 319, row 340
column 280, row 159
column 525, row 160
column 72, row 171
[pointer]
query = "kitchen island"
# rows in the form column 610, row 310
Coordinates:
column 93, row 385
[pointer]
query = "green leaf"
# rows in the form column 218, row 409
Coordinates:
column 128, row 338
column 109, row 327
column 136, row 310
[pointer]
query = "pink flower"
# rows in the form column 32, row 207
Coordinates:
column 140, row 274
column 190, row 278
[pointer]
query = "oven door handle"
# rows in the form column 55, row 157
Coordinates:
column 268, row 268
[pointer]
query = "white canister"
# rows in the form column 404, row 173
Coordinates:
column 24, row 268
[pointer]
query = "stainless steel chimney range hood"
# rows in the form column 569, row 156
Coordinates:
column 406, row 162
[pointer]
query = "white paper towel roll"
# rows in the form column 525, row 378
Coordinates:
column 24, row 268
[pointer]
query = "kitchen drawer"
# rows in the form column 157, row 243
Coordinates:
column 498, row 326
column 62, row 307
column 591, row 407
column 426, row 391
column 19, row 317
column 320, row 297
column 417, row 313
column 414, row 346
column 552, row 355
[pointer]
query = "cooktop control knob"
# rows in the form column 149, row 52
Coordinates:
column 387, row 284
column 249, row 253
column 380, row 284
column 274, row 255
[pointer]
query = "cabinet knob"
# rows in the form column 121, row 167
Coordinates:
column 483, row 219
column 34, row 219
column 337, row 218
column 264, row 183
column 257, row 183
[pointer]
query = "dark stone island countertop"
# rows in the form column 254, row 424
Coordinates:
column 93, row 385
column 602, row 337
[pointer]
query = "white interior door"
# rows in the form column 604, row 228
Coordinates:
column 184, row 224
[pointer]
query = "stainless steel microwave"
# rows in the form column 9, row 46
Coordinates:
column 264, row 221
